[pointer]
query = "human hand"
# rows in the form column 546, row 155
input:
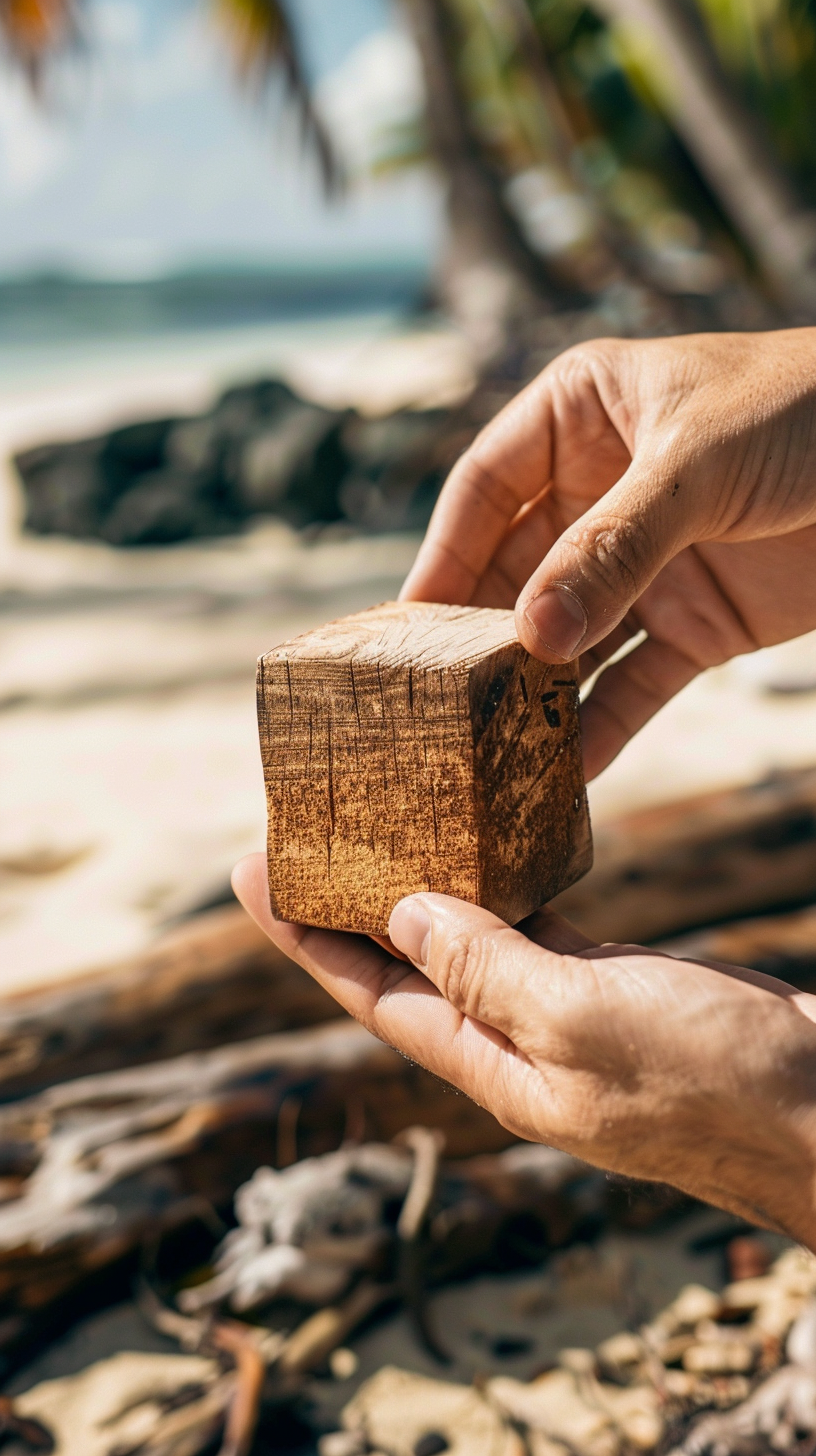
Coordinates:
column 664, row 485
column 702, row 1076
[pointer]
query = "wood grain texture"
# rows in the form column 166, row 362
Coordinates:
column 418, row 747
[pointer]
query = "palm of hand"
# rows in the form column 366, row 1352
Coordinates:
column 652, row 1067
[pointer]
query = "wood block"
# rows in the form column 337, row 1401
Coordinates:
column 418, row 747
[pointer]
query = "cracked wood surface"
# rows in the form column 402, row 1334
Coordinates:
column 418, row 747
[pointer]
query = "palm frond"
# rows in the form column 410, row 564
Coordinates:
column 34, row 30
column 263, row 41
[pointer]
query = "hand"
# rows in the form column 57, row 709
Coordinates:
column 702, row 1076
column 665, row 486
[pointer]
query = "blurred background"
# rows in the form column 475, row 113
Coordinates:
column 265, row 268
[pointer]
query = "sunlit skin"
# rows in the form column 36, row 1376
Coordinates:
column 670, row 485
column 665, row 486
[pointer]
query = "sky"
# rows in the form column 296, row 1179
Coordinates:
column 147, row 158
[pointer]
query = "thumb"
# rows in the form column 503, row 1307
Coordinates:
column 600, row 565
column 479, row 963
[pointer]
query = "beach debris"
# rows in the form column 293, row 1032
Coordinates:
column 158, row 1405
column 397, row 1412
column 704, row 1376
column 781, row 1412
column 86, row 1138
column 307, row 1230
column 778, row 1416
column 91, row 1168
column 573, row 1407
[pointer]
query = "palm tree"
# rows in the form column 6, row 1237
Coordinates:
column 515, row 118
column 490, row 276
column 730, row 145
column 34, row 30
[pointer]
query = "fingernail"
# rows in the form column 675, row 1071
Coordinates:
column 558, row 620
column 410, row 930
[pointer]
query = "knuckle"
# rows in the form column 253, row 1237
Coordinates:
column 586, row 358
column 461, row 971
column 484, row 483
column 616, row 552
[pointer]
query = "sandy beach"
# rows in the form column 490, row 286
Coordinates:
column 129, row 770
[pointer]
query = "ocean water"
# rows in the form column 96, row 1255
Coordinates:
column 57, row 328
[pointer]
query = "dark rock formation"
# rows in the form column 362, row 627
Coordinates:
column 261, row 450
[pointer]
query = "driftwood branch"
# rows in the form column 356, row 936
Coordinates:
column 212, row 981
column 97, row 1164
column 665, row 870
column 250, row 1368
column 91, row 1134
column 322, row 1332
column 218, row 979
column 778, row 945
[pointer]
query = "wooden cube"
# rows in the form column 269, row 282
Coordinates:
column 418, row 747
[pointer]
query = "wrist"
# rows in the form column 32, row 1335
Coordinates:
column 777, row 1175
column 794, row 1200
column 750, row 1137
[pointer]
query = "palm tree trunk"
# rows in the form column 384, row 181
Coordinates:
column 728, row 145
column 489, row 277
column 615, row 260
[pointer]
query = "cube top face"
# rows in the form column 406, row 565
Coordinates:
column 419, row 635
column 418, row 747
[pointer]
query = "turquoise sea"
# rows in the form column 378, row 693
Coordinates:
column 53, row 326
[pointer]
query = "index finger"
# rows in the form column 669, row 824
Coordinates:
column 508, row 465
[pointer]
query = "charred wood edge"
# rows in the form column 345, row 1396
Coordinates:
column 699, row 861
